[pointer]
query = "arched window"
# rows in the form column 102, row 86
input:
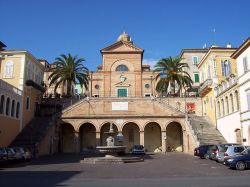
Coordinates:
column 232, row 102
column 227, row 105
column 223, row 108
column 237, row 100
column 218, row 104
column 12, row 108
column 2, row 104
column 7, row 106
column 9, row 66
column 17, row 109
column 121, row 68
column 27, row 103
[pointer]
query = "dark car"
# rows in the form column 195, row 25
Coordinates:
column 138, row 150
column 3, row 154
column 196, row 151
column 203, row 151
column 240, row 162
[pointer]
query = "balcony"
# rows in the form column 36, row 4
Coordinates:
column 205, row 87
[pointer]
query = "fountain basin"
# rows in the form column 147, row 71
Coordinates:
column 111, row 150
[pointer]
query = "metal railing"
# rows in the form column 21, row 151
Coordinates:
column 205, row 84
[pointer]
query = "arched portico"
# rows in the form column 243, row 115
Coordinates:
column 87, row 133
column 131, row 135
column 67, row 138
column 152, row 135
column 174, row 137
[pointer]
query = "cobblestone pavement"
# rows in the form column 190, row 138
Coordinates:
column 161, row 169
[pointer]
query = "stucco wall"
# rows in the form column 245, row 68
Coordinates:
column 227, row 126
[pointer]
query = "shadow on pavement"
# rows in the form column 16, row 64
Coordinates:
column 35, row 178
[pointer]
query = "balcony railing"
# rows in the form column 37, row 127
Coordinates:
column 205, row 87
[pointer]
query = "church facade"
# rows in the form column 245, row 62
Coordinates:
column 122, row 92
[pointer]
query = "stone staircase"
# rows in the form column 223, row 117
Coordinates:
column 205, row 132
column 34, row 132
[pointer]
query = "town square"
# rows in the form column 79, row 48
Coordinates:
column 107, row 93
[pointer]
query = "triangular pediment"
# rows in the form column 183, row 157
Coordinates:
column 122, row 46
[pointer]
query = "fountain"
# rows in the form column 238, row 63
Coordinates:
column 111, row 151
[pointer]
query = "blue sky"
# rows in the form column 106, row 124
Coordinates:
column 49, row 28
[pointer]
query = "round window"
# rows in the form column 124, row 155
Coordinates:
column 97, row 86
column 147, row 85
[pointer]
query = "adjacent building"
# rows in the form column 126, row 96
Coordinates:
column 242, row 57
column 216, row 66
column 193, row 57
column 21, row 76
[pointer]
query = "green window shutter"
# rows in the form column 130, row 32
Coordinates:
column 122, row 92
column 196, row 78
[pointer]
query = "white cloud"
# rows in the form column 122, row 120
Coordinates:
column 150, row 61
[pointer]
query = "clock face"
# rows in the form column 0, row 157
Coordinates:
column 122, row 78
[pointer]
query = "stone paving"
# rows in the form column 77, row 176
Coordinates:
column 58, row 168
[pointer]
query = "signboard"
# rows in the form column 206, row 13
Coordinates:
column 119, row 105
column 190, row 108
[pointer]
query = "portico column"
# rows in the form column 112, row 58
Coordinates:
column 142, row 138
column 77, row 142
column 164, row 141
column 98, row 138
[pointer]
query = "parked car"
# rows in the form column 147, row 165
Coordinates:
column 219, row 150
column 3, row 154
column 22, row 153
column 229, row 152
column 11, row 153
column 138, row 150
column 240, row 162
column 203, row 151
column 196, row 152
column 27, row 154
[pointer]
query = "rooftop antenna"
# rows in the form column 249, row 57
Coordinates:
column 214, row 33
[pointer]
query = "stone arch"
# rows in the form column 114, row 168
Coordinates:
column 152, row 137
column 87, row 135
column 174, row 133
column 67, row 138
column 78, row 126
column 131, row 135
column 122, row 62
column 105, row 128
column 238, row 135
column 141, row 127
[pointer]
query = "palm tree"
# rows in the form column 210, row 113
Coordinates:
column 171, row 72
column 70, row 70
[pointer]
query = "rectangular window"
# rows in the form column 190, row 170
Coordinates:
column 122, row 92
column 245, row 64
column 195, row 60
column 196, row 77
column 248, row 100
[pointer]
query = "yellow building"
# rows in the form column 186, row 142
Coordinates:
column 215, row 67
column 18, row 100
